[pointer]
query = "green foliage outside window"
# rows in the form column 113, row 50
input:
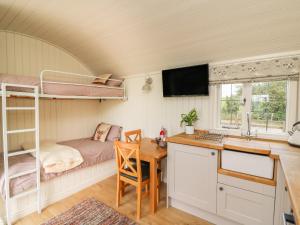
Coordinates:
column 273, row 106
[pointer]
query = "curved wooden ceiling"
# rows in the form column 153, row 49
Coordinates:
column 134, row 36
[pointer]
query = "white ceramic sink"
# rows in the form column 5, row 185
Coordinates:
column 252, row 164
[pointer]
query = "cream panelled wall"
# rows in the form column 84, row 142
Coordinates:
column 59, row 119
column 149, row 111
column 26, row 55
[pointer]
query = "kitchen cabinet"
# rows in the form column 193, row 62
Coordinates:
column 282, row 202
column 243, row 206
column 196, row 187
column 192, row 175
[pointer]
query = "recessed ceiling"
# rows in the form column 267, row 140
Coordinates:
column 134, row 36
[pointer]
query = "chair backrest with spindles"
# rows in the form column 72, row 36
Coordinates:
column 133, row 136
column 125, row 151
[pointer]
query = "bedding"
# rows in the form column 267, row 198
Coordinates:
column 102, row 79
column 18, row 79
column 114, row 133
column 75, row 90
column 57, row 158
column 92, row 152
column 115, row 82
column 61, row 89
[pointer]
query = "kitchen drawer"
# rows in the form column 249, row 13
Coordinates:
column 252, row 164
column 247, row 185
column 243, row 206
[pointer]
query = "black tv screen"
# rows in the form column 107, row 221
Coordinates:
column 186, row 81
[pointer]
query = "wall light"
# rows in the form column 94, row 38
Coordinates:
column 147, row 85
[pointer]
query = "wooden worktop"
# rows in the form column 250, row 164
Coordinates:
column 289, row 157
column 270, row 148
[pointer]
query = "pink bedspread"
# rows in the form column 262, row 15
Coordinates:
column 93, row 152
column 17, row 79
column 75, row 90
column 61, row 89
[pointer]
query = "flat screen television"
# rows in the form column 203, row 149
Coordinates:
column 186, row 81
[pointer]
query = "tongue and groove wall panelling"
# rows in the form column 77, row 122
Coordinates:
column 59, row 119
column 150, row 110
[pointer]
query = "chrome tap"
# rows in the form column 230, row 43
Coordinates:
column 248, row 133
column 248, row 125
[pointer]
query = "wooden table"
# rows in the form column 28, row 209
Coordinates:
column 152, row 153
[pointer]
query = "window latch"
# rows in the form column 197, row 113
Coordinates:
column 243, row 101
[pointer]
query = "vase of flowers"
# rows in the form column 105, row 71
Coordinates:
column 189, row 120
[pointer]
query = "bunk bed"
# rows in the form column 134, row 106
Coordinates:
column 65, row 85
column 98, row 157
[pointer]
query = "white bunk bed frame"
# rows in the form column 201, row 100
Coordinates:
column 94, row 174
column 43, row 81
column 7, row 154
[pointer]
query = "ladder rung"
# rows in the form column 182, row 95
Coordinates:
column 24, row 193
column 20, row 131
column 20, row 108
column 21, row 152
column 22, row 173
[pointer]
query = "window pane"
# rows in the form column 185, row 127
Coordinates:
column 231, row 106
column 268, row 107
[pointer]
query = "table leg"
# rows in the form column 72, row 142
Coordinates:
column 153, row 185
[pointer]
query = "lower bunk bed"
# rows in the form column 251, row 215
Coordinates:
column 98, row 164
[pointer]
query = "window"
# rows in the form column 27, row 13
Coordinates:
column 231, row 109
column 268, row 106
column 267, row 102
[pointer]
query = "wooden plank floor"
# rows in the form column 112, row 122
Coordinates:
column 105, row 192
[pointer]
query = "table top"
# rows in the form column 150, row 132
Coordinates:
column 150, row 150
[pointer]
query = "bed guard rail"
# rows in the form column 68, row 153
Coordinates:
column 43, row 80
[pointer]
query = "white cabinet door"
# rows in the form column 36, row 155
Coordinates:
column 245, row 207
column 192, row 175
column 282, row 202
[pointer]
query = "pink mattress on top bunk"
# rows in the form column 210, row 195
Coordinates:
column 75, row 90
column 93, row 152
column 62, row 89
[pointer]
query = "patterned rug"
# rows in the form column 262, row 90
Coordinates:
column 90, row 212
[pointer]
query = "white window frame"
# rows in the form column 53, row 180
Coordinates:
column 291, row 110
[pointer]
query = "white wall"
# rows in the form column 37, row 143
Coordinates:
column 59, row 119
column 149, row 111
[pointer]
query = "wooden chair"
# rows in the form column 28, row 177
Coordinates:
column 135, row 136
column 130, row 172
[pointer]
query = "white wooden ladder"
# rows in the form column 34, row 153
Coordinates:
column 33, row 92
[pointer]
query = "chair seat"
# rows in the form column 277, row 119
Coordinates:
column 145, row 172
column 142, row 162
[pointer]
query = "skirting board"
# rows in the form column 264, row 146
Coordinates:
column 62, row 187
column 210, row 217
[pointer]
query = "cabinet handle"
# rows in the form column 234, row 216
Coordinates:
column 212, row 153
column 221, row 188
column 285, row 188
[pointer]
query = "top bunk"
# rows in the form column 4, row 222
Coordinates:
column 56, row 84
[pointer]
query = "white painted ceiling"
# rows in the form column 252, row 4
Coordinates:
column 134, row 36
